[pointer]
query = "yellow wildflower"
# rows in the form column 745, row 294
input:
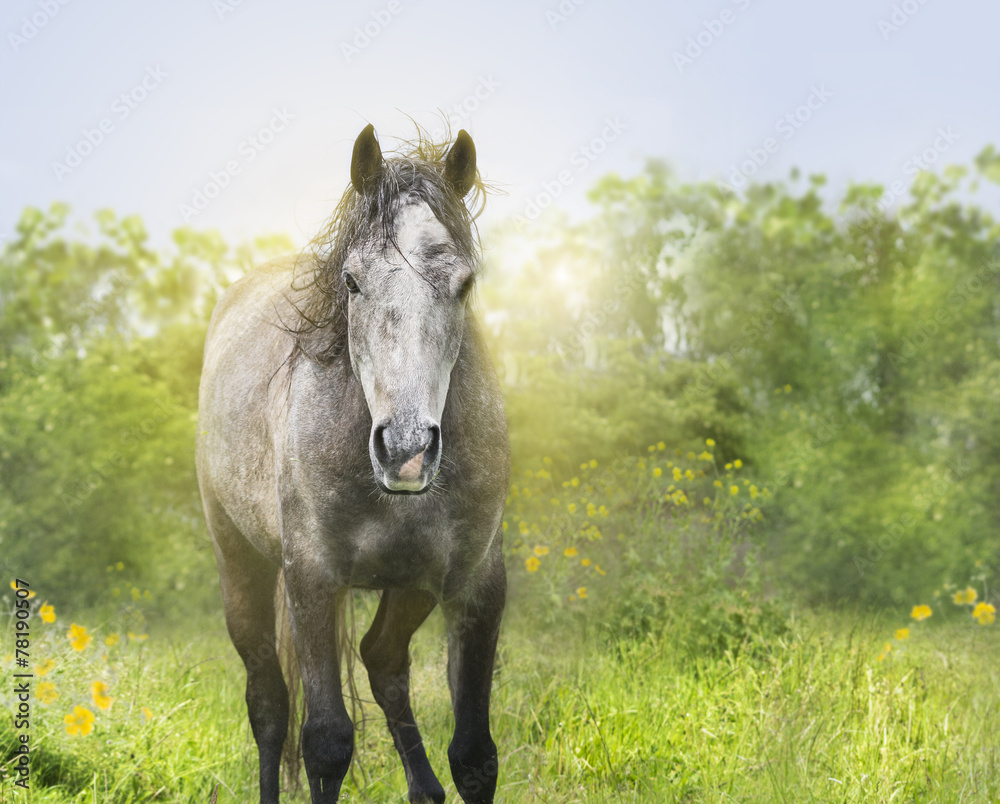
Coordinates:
column 921, row 612
column 729, row 466
column 902, row 633
column 593, row 463
column 754, row 492
column 657, row 472
column 111, row 640
column 734, row 489
column 99, row 692
column 139, row 637
column 574, row 482
column 571, row 508
column 46, row 692
column 688, row 474
column 678, row 474
column 45, row 667
column 705, row 456
column 661, row 446
column 541, row 550
column 788, row 389
column 585, row 562
column 738, row 463
column 47, row 612
column 582, row 593
column 710, row 442
column 969, row 595
column 571, row 552
column 81, row 721
column 531, row 564
column 598, row 570
column 885, row 651
column 78, row 637
column 717, row 484
column 147, row 713
column 985, row 613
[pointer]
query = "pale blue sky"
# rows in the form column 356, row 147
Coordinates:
column 546, row 87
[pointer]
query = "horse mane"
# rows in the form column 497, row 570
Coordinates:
column 368, row 220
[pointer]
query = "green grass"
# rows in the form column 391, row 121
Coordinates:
column 814, row 717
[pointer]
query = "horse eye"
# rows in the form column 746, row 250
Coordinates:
column 466, row 287
column 351, row 282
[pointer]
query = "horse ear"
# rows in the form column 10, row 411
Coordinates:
column 460, row 164
column 366, row 163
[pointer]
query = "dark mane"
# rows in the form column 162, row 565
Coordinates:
column 368, row 220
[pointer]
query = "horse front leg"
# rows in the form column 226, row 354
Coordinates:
column 473, row 620
column 328, row 733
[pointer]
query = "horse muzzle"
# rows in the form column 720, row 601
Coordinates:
column 405, row 459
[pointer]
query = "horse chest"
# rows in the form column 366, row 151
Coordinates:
column 397, row 552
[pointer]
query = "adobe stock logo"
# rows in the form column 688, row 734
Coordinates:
column 249, row 148
column 31, row 26
column 121, row 108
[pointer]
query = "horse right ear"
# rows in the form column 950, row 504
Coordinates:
column 366, row 163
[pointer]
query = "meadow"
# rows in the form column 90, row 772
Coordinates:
column 669, row 674
column 750, row 533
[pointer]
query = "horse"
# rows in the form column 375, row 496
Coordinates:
column 351, row 435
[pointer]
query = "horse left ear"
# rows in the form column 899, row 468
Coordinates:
column 460, row 164
column 366, row 162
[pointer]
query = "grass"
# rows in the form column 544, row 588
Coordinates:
column 816, row 716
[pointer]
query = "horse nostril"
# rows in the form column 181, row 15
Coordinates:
column 378, row 444
column 433, row 443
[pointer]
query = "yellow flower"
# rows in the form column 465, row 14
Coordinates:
column 754, row 492
column 45, row 668
column 582, row 593
column 46, row 692
column 738, row 463
column 985, row 613
column 921, row 612
column 541, row 550
column 688, row 474
column 705, row 456
column 571, row 508
column 661, row 446
column 734, row 489
column 547, row 460
column 139, row 637
column 902, row 633
column 15, row 587
column 111, row 640
column 147, row 713
column 78, row 637
column 505, row 526
column 710, row 442
column 99, row 692
column 570, row 552
column 585, row 562
column 598, row 570
column 968, row 596
column 788, row 389
column 120, row 566
column 678, row 474
column 574, row 482
column 885, row 651
column 531, row 564
column 593, row 463
column 47, row 613
column 81, row 721
column 657, row 472
column 717, row 484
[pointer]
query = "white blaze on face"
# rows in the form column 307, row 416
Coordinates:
column 406, row 328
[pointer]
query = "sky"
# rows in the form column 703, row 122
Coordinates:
column 240, row 115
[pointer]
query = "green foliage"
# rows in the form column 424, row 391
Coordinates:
column 100, row 353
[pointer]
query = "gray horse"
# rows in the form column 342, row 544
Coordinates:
column 352, row 435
